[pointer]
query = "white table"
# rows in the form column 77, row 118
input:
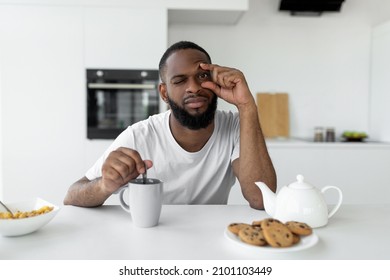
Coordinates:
column 193, row 232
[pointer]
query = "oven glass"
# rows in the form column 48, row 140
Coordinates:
column 117, row 99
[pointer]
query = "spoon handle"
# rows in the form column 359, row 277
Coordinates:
column 6, row 208
column 144, row 176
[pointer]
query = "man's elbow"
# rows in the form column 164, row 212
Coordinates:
column 256, row 205
column 67, row 201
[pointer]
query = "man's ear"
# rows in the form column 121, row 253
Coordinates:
column 162, row 88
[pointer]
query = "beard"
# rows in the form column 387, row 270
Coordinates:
column 195, row 122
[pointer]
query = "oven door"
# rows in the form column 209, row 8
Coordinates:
column 112, row 107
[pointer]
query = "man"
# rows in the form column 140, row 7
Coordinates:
column 196, row 150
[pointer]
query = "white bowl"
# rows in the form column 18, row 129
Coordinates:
column 16, row 227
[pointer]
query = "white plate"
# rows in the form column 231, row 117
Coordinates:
column 16, row 227
column 305, row 243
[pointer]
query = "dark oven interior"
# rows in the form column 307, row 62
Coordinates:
column 119, row 98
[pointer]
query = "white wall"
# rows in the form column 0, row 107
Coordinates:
column 322, row 62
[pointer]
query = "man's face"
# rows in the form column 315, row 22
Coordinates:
column 193, row 106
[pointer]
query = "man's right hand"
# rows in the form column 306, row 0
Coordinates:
column 121, row 166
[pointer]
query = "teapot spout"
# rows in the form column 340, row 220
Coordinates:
column 269, row 198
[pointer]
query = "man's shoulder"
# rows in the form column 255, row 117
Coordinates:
column 145, row 130
column 226, row 117
column 158, row 117
column 156, row 120
column 226, row 114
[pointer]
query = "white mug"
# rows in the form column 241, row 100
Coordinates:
column 145, row 201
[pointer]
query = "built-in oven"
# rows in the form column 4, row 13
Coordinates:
column 119, row 98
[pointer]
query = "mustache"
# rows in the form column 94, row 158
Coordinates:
column 199, row 95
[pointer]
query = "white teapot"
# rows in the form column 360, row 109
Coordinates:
column 299, row 201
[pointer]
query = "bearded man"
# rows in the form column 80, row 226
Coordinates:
column 195, row 149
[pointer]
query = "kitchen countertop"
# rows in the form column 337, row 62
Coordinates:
column 196, row 232
column 297, row 142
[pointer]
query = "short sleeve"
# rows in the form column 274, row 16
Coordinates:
column 125, row 139
column 236, row 137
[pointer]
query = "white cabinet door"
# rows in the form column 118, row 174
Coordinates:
column 380, row 83
column 359, row 170
column 43, row 100
column 123, row 38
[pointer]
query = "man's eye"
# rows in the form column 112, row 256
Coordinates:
column 176, row 82
column 204, row 75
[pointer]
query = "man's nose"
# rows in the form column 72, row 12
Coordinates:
column 193, row 85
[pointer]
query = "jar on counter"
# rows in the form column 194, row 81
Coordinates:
column 318, row 134
column 330, row 135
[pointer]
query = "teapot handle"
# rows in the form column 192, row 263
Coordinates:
column 335, row 208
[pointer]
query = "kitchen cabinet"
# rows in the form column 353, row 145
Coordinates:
column 44, row 51
column 42, row 100
column 380, row 83
column 360, row 170
column 124, row 38
column 206, row 11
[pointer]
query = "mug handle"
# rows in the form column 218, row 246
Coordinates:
column 334, row 210
column 124, row 205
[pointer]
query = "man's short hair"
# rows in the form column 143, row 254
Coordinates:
column 182, row 45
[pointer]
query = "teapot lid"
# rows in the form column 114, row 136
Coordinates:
column 300, row 184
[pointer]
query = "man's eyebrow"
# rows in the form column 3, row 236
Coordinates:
column 178, row 76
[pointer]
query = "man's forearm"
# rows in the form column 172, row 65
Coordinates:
column 86, row 193
column 255, row 163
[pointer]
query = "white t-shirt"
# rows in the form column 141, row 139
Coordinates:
column 203, row 177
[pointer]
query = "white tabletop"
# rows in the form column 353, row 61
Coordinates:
column 193, row 232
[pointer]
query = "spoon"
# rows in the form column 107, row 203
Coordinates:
column 144, row 176
column 6, row 208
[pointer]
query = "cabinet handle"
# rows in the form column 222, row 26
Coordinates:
column 120, row 86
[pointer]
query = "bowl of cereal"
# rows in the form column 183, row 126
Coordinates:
column 27, row 216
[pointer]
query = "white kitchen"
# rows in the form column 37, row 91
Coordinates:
column 333, row 65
